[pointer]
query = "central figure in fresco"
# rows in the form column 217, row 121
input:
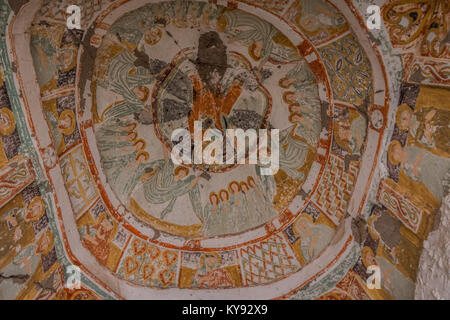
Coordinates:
column 214, row 86
column 167, row 66
column 209, row 103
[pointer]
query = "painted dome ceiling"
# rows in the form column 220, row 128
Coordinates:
column 88, row 118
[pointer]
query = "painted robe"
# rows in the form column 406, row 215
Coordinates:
column 249, row 207
column 257, row 216
column 319, row 15
column 44, row 50
column 268, row 184
column 8, row 244
column 235, row 220
column 208, row 105
column 241, row 214
column 249, row 29
column 302, row 74
column 433, row 171
column 323, row 234
column 110, row 137
column 398, row 286
column 254, row 29
column 267, row 210
column 101, row 247
column 162, row 188
column 358, row 128
column 227, row 217
column 225, row 209
column 57, row 136
column 245, row 211
column 310, row 134
column 128, row 178
column 439, row 122
column 293, row 154
column 123, row 83
column 215, row 278
column 10, row 289
column 212, row 220
column 119, row 164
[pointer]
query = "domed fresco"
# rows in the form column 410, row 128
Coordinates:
column 225, row 75
column 348, row 170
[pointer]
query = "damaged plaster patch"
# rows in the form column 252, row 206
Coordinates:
column 433, row 280
column 87, row 62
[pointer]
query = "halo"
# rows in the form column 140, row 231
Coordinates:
column 105, row 216
column 32, row 202
column 71, row 129
column 49, row 235
column 161, row 24
column 292, row 105
column 393, row 144
column 146, row 155
column 280, row 83
column 133, row 125
column 246, row 184
column 341, row 143
column 292, row 115
column 213, row 194
column 251, row 52
column 236, row 183
column 400, row 110
column 222, row 23
column 72, row 64
column 364, row 252
column 140, row 141
column 146, row 93
column 220, row 194
column 133, row 134
column 179, row 168
column 203, row 256
column 6, row 113
column 302, row 217
column 285, row 99
column 153, row 42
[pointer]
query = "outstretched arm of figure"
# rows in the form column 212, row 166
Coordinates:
column 231, row 97
column 194, row 182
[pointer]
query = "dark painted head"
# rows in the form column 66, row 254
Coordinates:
column 212, row 59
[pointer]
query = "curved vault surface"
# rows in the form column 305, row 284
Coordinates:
column 112, row 94
column 111, row 124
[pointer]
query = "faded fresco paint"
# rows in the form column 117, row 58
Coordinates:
column 111, row 94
